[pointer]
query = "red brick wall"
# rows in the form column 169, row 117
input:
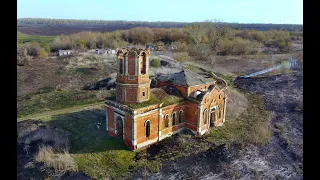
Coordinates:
column 193, row 111
column 141, row 128
column 131, row 94
column 169, row 110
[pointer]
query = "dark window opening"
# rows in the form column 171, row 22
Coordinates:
column 220, row 111
column 173, row 119
column 167, row 121
column 180, row 116
column 147, row 128
column 143, row 63
column 143, row 93
column 120, row 66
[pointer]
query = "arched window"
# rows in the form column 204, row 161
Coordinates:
column 121, row 65
column 174, row 119
column 147, row 124
column 220, row 111
column 180, row 116
column 143, row 65
column 166, row 121
column 205, row 119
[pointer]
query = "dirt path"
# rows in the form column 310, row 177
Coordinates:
column 61, row 111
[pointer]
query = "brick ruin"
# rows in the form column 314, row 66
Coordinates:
column 202, row 107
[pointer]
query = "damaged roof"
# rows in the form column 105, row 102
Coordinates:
column 184, row 77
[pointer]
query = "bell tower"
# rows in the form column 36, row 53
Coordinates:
column 133, row 83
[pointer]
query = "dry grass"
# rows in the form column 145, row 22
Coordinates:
column 236, row 104
column 60, row 162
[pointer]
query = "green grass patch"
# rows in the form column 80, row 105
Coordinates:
column 42, row 40
column 157, row 62
column 96, row 153
column 50, row 99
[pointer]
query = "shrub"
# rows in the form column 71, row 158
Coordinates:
column 43, row 53
column 238, row 46
column 181, row 56
column 33, row 49
column 47, row 48
column 156, row 62
column 60, row 162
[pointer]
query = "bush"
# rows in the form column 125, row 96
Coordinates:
column 181, row 56
column 33, row 49
column 47, row 48
column 156, row 62
column 43, row 53
column 201, row 51
column 238, row 46
column 60, row 162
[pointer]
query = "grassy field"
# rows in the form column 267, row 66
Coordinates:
column 42, row 40
column 52, row 99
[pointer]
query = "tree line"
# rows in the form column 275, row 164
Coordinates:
column 161, row 24
column 201, row 41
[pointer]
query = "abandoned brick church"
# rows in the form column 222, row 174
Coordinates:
column 142, row 116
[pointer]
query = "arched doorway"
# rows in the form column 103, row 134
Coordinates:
column 213, row 117
column 119, row 126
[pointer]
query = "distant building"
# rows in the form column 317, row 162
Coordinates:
column 150, row 47
column 110, row 51
column 100, row 51
column 172, row 47
column 66, row 52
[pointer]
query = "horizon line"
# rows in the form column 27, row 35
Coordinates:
column 152, row 21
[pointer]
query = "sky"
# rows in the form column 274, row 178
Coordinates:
column 237, row 11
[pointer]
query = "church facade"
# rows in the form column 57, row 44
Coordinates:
column 142, row 116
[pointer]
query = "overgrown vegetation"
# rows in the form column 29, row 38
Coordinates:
column 156, row 62
column 156, row 99
column 59, row 161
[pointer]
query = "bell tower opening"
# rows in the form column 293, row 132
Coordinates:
column 143, row 63
column 133, row 83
